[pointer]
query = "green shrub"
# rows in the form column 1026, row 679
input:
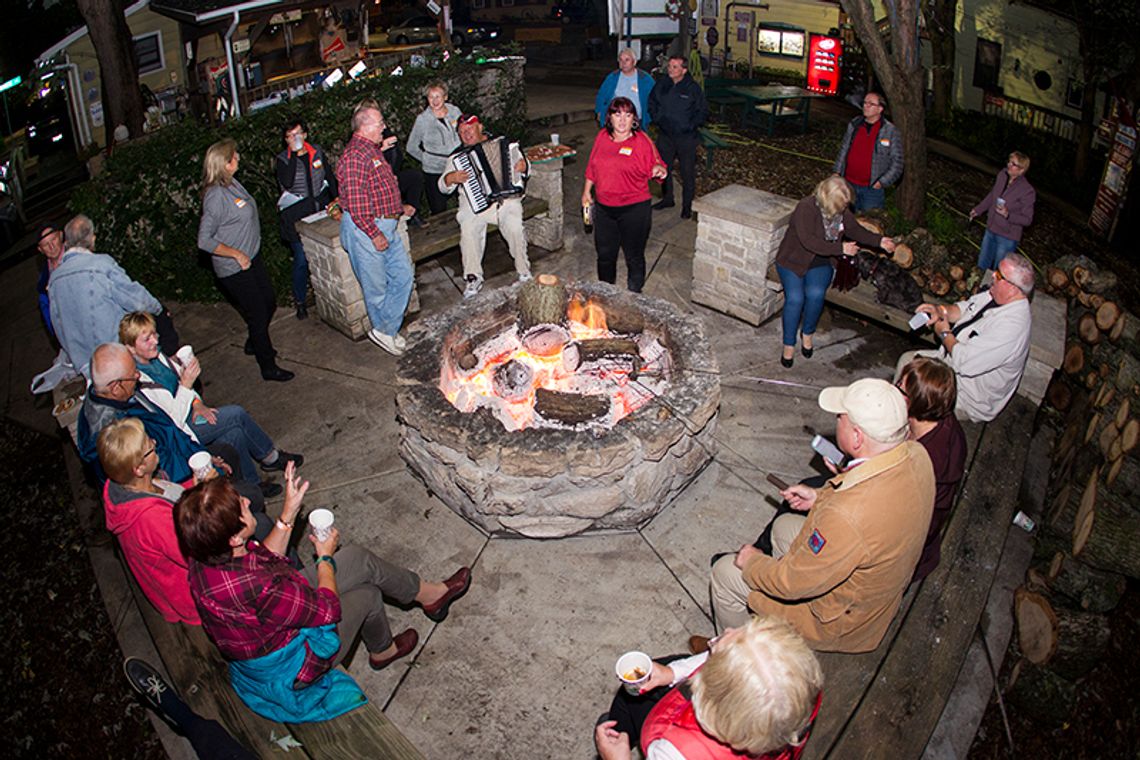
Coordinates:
column 146, row 203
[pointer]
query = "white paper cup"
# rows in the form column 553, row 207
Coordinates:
column 201, row 463
column 185, row 354
column 1000, row 202
column 633, row 670
column 321, row 523
column 554, row 138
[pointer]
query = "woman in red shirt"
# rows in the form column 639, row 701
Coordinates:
column 621, row 164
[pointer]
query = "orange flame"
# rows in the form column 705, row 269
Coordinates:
column 587, row 318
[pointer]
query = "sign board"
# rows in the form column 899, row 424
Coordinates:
column 240, row 46
column 96, row 110
column 646, row 18
column 13, row 82
column 1113, row 188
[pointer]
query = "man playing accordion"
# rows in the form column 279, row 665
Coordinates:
column 491, row 174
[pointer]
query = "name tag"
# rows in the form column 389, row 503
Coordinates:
column 625, row 151
column 885, row 142
column 240, row 203
column 317, row 164
column 376, row 163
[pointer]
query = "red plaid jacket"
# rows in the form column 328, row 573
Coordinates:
column 368, row 188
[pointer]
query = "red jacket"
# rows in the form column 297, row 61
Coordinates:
column 674, row 720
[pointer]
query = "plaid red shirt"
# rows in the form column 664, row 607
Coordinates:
column 253, row 605
column 368, row 188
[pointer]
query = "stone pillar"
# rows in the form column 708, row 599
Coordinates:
column 545, row 230
column 340, row 302
column 739, row 230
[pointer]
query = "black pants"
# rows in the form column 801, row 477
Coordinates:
column 167, row 335
column 437, row 201
column 627, row 228
column 411, row 182
column 683, row 148
column 251, row 293
column 631, row 711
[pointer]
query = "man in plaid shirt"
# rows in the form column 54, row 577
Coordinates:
column 370, row 198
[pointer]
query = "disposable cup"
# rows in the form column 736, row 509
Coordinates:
column 201, row 463
column 321, row 523
column 633, row 670
column 185, row 354
column 554, row 138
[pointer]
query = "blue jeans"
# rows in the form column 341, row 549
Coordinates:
column 238, row 429
column 385, row 277
column 300, row 272
column 994, row 249
column 868, row 197
column 803, row 297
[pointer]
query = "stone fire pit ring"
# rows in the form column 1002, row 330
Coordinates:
column 544, row 483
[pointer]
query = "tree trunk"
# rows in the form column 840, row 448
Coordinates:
column 942, row 29
column 122, row 99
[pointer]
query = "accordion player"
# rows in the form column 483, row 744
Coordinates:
column 492, row 172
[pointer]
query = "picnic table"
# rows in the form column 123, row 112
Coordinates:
column 771, row 103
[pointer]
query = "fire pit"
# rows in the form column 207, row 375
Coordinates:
column 592, row 409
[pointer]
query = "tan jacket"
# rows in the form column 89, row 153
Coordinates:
column 841, row 581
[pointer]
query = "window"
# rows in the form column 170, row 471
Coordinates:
column 784, row 42
column 987, row 64
column 148, row 52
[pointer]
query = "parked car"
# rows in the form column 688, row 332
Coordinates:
column 415, row 30
column 475, row 32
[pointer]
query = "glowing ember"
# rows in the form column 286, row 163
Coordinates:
column 506, row 373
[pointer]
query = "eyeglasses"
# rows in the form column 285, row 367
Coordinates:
column 872, row 103
column 119, row 381
column 998, row 276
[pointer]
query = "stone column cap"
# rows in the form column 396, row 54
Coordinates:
column 746, row 206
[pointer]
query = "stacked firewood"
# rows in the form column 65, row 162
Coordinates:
column 930, row 262
column 1088, row 543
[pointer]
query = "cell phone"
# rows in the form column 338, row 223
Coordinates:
column 827, row 450
column 919, row 320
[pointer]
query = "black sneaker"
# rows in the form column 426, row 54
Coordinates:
column 269, row 489
column 663, row 204
column 149, row 684
column 283, row 458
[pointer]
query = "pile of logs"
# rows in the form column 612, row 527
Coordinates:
column 929, row 262
column 1088, row 543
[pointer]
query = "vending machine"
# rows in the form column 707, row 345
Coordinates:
column 824, row 62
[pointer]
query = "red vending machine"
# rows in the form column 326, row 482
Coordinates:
column 824, row 60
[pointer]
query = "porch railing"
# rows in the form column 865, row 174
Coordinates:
column 1030, row 115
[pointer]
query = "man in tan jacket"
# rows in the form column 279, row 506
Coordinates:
column 839, row 572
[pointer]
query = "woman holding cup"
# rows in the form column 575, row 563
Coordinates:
column 433, row 137
column 1008, row 209
column 168, row 383
column 755, row 693
column 284, row 631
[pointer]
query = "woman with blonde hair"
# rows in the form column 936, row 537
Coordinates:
column 1009, row 210
column 434, row 136
column 754, row 693
column 822, row 229
column 231, row 232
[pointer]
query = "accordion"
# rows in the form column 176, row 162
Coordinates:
column 491, row 175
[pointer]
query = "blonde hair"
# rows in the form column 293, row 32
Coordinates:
column 122, row 446
column 833, row 195
column 1021, row 159
column 757, row 692
column 132, row 325
column 438, row 84
column 214, row 166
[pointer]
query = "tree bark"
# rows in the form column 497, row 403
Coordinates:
column 901, row 74
column 569, row 408
column 1042, row 694
column 122, row 99
column 1094, row 590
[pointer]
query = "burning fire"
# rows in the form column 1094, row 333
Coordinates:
column 625, row 385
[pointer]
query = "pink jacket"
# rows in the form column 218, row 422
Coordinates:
column 144, row 525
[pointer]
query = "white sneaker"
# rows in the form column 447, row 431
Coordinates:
column 386, row 342
column 401, row 343
column 474, row 285
column 525, row 277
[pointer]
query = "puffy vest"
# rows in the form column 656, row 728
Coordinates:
column 674, row 720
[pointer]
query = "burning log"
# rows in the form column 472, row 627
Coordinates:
column 596, row 349
column 542, row 301
column 513, row 380
column 569, row 408
column 545, row 339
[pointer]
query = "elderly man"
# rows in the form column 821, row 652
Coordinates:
column 370, row 198
column 985, row 339
column 871, row 156
column 678, row 107
column 628, row 82
column 113, row 394
column 90, row 293
column 50, row 244
column 838, row 573
column 507, row 213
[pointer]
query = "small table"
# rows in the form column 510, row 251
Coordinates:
column 773, row 101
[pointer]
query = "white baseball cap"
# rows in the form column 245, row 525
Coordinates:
column 874, row 406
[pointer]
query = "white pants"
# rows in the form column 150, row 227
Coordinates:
column 729, row 589
column 508, row 215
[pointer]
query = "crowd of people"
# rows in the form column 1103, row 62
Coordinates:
column 829, row 571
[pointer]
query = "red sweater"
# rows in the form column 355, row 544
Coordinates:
column 858, row 170
column 621, row 171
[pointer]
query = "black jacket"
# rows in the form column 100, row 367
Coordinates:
column 678, row 109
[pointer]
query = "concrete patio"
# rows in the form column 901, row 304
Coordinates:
column 524, row 664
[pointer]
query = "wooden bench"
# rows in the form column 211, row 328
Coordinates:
column 442, row 232
column 711, row 142
column 886, row 703
column 201, row 676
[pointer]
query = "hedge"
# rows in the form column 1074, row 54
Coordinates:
column 146, row 203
